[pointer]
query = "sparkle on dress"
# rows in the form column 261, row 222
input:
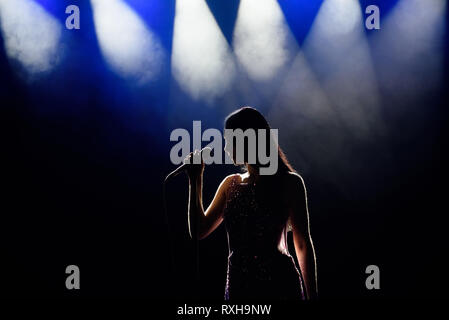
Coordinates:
column 257, row 268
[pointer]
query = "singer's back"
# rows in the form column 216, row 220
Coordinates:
column 259, row 265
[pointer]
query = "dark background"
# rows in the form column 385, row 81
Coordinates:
column 85, row 153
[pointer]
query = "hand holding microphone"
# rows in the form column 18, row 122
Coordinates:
column 193, row 164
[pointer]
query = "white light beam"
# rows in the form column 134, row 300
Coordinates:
column 31, row 36
column 131, row 49
column 202, row 62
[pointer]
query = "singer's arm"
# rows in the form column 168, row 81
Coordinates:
column 206, row 221
column 299, row 218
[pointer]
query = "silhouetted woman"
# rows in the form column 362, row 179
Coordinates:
column 257, row 211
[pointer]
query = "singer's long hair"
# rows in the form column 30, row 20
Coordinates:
column 250, row 118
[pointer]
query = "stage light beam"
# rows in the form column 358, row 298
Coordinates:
column 202, row 62
column 262, row 40
column 131, row 49
column 410, row 56
column 339, row 55
column 329, row 97
column 31, row 36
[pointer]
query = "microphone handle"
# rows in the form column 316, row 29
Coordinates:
column 175, row 172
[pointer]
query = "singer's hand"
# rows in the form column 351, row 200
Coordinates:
column 194, row 170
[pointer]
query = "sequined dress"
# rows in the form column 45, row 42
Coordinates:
column 259, row 265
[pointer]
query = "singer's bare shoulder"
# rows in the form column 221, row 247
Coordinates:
column 295, row 179
column 295, row 187
column 222, row 191
column 227, row 181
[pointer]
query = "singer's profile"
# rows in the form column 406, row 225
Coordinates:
column 258, row 210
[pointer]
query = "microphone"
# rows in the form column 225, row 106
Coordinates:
column 182, row 167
